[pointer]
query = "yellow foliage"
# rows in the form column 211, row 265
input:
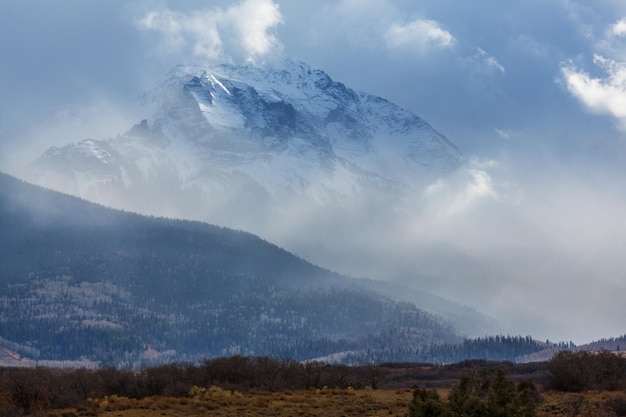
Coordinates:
column 197, row 391
column 103, row 404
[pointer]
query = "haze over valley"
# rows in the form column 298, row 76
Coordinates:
column 465, row 160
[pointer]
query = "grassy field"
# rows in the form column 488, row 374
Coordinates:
column 218, row 402
column 315, row 402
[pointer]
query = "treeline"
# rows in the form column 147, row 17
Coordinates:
column 491, row 348
column 494, row 348
column 491, row 392
column 28, row 390
column 582, row 371
column 25, row 391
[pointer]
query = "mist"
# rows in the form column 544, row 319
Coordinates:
column 530, row 231
column 534, row 243
column 539, row 250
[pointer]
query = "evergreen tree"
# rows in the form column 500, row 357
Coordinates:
column 501, row 398
column 490, row 395
column 426, row 403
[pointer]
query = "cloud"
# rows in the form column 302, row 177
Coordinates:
column 254, row 20
column 479, row 186
column 600, row 95
column 461, row 192
column 96, row 117
column 619, row 28
column 420, row 35
column 244, row 31
column 489, row 61
column 178, row 29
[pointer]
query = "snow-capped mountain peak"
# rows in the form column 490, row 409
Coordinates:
column 263, row 132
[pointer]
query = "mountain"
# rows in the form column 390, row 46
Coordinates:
column 218, row 138
column 83, row 282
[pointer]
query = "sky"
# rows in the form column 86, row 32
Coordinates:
column 533, row 92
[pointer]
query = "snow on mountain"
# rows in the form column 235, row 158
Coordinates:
column 227, row 134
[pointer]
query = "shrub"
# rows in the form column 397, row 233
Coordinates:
column 581, row 371
column 491, row 395
column 426, row 403
column 617, row 405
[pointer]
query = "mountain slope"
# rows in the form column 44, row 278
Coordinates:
column 216, row 137
column 82, row 281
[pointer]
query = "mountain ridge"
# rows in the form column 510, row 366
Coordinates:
column 280, row 131
column 84, row 282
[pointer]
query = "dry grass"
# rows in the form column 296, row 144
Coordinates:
column 315, row 402
column 590, row 403
column 217, row 402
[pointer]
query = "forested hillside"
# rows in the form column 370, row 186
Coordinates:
column 82, row 281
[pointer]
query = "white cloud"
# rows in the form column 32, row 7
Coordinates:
column 456, row 195
column 611, row 44
column 254, row 20
column 490, row 61
column 420, row 35
column 200, row 30
column 243, row 31
column 619, row 28
column 600, row 95
column 480, row 186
